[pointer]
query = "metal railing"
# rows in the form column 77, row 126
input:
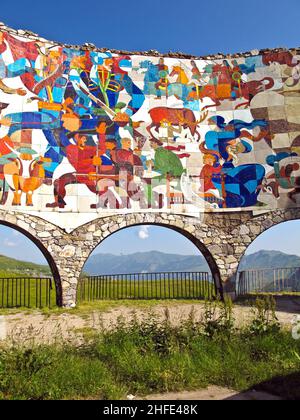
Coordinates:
column 269, row 280
column 28, row 292
column 168, row 285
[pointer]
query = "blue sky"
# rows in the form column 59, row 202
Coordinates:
column 16, row 245
column 194, row 27
column 284, row 237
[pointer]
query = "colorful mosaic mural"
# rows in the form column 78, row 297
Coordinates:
column 97, row 132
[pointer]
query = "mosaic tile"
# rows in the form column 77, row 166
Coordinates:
column 89, row 131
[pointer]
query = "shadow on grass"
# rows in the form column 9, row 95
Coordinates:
column 284, row 303
column 285, row 387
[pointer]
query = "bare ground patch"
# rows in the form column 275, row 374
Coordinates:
column 73, row 327
column 212, row 393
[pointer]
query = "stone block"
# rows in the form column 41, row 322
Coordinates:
column 255, row 229
column 246, row 239
column 240, row 249
column 215, row 250
column 230, row 259
column 244, row 230
column 68, row 251
column 44, row 234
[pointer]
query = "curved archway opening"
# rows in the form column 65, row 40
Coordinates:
column 271, row 264
column 162, row 261
column 31, row 275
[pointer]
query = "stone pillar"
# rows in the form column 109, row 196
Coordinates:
column 233, row 237
column 70, row 252
column 226, row 262
column 69, row 264
column 66, row 253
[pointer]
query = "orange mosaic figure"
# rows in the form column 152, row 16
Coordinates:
column 24, row 172
column 206, row 174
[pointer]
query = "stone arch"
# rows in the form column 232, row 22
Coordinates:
column 165, row 222
column 17, row 223
column 222, row 239
column 267, row 227
column 244, row 228
column 45, row 253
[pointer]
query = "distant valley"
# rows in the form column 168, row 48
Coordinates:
column 10, row 267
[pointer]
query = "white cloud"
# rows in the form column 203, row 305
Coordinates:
column 16, row 233
column 9, row 243
column 144, row 232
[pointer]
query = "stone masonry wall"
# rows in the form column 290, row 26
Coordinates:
column 222, row 238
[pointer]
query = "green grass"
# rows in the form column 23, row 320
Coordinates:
column 89, row 290
column 237, row 363
column 11, row 266
column 104, row 305
column 85, row 308
column 20, row 292
column 152, row 356
column 54, row 373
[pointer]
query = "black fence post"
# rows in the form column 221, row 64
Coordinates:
column 30, row 292
column 161, row 285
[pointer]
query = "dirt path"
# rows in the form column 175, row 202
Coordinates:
column 213, row 393
column 40, row 328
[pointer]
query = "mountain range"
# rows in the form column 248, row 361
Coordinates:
column 269, row 259
column 146, row 262
column 154, row 261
